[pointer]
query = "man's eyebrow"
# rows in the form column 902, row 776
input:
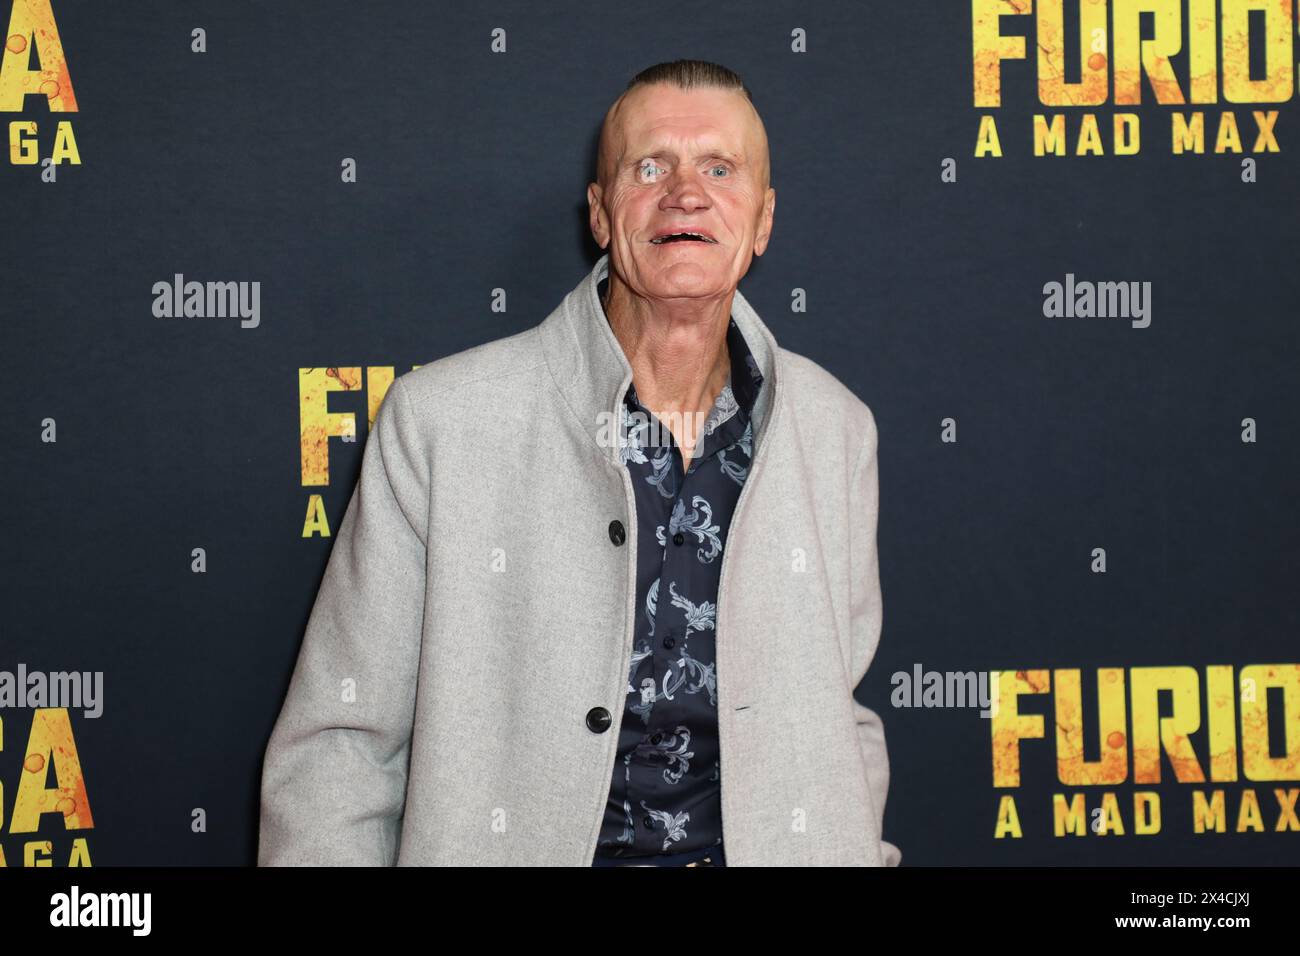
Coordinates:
column 666, row 152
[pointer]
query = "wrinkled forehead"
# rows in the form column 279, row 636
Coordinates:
column 652, row 116
column 648, row 119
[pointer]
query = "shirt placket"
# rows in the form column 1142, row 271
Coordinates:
column 678, row 566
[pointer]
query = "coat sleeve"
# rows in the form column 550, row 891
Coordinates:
column 334, row 777
column 865, row 621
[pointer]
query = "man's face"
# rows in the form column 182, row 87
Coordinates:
column 682, row 161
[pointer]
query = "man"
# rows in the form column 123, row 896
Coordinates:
column 605, row 587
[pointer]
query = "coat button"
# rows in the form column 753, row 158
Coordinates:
column 616, row 532
column 678, row 538
column 648, row 823
column 598, row 720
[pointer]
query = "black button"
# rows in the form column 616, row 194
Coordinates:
column 678, row 538
column 616, row 532
column 598, row 720
column 648, row 823
column 669, row 641
column 656, row 739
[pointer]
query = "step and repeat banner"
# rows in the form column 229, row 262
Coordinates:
column 1052, row 245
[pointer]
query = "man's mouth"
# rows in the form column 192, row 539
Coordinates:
column 683, row 237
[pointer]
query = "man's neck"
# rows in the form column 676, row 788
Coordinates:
column 678, row 354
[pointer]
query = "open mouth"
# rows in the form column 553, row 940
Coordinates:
column 683, row 237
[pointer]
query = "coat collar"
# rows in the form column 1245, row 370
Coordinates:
column 591, row 371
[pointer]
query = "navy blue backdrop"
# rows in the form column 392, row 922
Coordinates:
column 924, row 295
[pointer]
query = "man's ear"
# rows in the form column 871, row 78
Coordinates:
column 765, row 223
column 596, row 215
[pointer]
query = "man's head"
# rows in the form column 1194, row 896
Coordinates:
column 682, row 150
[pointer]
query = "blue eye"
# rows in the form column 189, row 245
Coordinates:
column 721, row 167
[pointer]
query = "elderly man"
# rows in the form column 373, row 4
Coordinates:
column 605, row 587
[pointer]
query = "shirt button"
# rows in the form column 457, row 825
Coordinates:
column 669, row 641
column 657, row 739
column 648, row 823
column 678, row 538
column 616, row 532
column 598, row 720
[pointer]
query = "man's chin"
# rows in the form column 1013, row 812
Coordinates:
column 711, row 287
column 689, row 270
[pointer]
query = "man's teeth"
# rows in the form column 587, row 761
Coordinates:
column 681, row 237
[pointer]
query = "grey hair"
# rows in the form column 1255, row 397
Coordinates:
column 690, row 75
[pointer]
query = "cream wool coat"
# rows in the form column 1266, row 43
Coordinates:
column 476, row 615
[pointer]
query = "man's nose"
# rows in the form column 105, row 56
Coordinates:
column 686, row 192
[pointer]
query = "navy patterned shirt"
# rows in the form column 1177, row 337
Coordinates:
column 665, row 796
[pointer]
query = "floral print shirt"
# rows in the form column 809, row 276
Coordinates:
column 665, row 796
